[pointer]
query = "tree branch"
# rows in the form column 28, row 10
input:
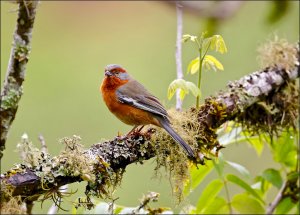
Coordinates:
column 277, row 199
column 99, row 164
column 12, row 89
column 178, row 54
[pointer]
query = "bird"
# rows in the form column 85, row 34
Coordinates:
column 134, row 105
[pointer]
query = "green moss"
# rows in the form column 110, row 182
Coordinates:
column 277, row 111
column 278, row 52
column 171, row 157
column 13, row 206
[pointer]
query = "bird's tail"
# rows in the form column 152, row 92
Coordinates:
column 166, row 125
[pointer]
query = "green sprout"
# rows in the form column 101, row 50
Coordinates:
column 209, row 62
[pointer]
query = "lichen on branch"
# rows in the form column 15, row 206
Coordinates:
column 12, row 87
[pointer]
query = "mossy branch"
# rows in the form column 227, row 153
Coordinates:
column 12, row 88
column 102, row 165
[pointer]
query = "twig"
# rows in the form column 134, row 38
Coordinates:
column 44, row 147
column 277, row 200
column 12, row 88
column 178, row 53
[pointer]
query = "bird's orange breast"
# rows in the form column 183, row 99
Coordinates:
column 126, row 113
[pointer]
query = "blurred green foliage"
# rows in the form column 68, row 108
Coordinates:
column 74, row 40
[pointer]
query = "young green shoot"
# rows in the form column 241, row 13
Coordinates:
column 209, row 62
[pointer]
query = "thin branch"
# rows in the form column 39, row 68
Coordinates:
column 44, row 147
column 277, row 200
column 178, row 54
column 12, row 88
column 111, row 156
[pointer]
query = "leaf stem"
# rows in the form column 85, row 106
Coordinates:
column 227, row 196
column 200, row 71
column 206, row 50
column 199, row 80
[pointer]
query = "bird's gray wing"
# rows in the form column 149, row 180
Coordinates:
column 136, row 95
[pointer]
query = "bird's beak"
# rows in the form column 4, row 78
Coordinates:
column 108, row 73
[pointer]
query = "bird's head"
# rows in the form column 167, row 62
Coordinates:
column 116, row 72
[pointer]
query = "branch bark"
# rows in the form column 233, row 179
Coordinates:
column 12, row 88
column 102, row 159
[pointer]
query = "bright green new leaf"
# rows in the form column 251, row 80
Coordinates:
column 193, row 88
column 209, row 194
column 273, row 176
column 217, row 43
column 187, row 37
column 184, row 87
column 118, row 209
column 193, row 66
column 210, row 62
column 197, row 176
column 285, row 206
column 264, row 185
column 177, row 84
column 217, row 206
column 236, row 180
column 245, row 204
column 239, row 168
column 182, row 94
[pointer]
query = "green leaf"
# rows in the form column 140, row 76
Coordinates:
column 284, row 206
column 187, row 37
column 236, row 180
column 184, row 87
column 182, row 94
column 209, row 194
column 245, row 204
column 118, row 209
column 273, row 176
column 264, row 185
column 293, row 176
column 217, row 206
column 210, row 62
column 285, row 150
column 177, row 84
column 197, row 176
column 193, row 66
column 217, row 43
column 239, row 168
column 193, row 88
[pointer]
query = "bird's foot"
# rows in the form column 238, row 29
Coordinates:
column 135, row 130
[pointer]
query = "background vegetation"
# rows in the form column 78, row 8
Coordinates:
column 73, row 41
